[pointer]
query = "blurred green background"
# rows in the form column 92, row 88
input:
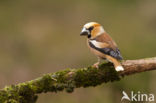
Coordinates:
column 42, row 36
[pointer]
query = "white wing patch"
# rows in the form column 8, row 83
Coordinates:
column 95, row 43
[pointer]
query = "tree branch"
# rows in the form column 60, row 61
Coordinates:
column 72, row 78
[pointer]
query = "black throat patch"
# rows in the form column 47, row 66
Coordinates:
column 89, row 35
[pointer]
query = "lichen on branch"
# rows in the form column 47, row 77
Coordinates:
column 63, row 80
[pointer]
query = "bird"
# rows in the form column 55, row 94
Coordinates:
column 102, row 45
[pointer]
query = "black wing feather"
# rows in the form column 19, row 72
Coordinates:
column 114, row 53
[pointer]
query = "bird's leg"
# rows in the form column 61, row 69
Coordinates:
column 96, row 65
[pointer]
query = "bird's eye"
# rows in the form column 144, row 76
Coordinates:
column 90, row 28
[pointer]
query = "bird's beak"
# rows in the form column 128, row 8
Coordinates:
column 84, row 32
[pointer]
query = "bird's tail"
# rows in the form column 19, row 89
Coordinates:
column 118, row 66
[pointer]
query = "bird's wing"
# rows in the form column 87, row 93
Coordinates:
column 106, row 39
column 106, row 45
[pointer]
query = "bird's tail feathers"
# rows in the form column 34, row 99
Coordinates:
column 119, row 68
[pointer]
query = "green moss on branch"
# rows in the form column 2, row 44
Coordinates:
column 63, row 80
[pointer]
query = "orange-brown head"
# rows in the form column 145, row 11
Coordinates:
column 92, row 30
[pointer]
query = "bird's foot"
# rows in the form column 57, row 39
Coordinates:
column 96, row 65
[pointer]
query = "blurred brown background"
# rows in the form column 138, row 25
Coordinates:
column 42, row 36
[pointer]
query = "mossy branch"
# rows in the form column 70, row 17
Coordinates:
column 70, row 79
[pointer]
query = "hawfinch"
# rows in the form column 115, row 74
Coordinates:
column 102, row 45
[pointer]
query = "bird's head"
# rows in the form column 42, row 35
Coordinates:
column 92, row 30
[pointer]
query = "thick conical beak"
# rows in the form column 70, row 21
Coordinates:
column 84, row 32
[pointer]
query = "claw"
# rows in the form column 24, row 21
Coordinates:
column 96, row 65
